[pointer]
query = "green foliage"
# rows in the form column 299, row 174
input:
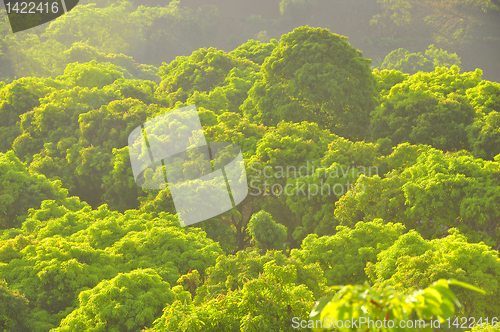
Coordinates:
column 413, row 262
column 121, row 192
column 283, row 155
column 231, row 272
column 427, row 108
column 105, row 258
column 12, row 309
column 21, row 191
column 66, row 249
column 485, row 136
column 72, row 134
column 141, row 90
column 265, row 232
column 485, row 97
column 17, row 98
column 345, row 152
column 128, row 302
column 313, row 196
column 190, row 281
column 441, row 58
column 202, row 71
column 247, row 292
column 483, row 328
column 255, row 51
column 82, row 53
column 386, row 79
column 229, row 95
column 169, row 250
column 420, row 118
column 90, row 75
column 343, row 256
column 436, row 192
column 401, row 59
column 314, row 75
column 232, row 127
column 443, row 82
column 51, row 274
column 407, row 62
column 383, row 304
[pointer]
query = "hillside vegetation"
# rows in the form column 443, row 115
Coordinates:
column 388, row 177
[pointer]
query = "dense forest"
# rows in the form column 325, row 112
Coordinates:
column 373, row 175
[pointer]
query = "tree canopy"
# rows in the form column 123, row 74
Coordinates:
column 384, row 181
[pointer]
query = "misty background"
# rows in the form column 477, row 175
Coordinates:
column 153, row 32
